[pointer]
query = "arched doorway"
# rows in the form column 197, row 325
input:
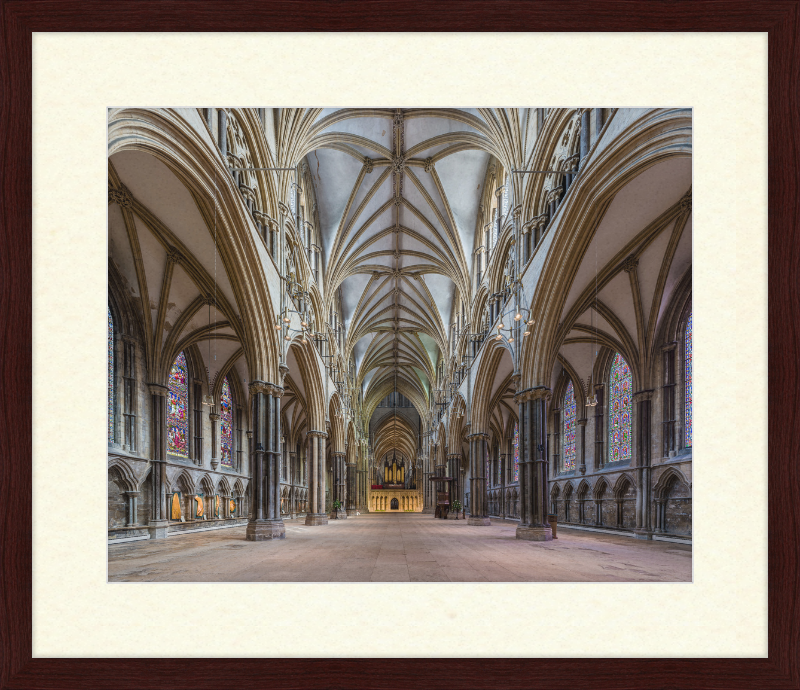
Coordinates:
column 395, row 504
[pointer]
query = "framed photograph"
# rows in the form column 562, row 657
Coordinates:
column 397, row 365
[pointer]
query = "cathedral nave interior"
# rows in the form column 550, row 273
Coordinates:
column 410, row 325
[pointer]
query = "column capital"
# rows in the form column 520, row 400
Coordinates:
column 478, row 434
column 213, row 417
column 534, row 393
column 581, row 422
column 643, row 395
column 157, row 389
column 317, row 434
column 267, row 388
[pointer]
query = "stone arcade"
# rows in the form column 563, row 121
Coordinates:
column 313, row 312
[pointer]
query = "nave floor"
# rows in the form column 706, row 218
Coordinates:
column 399, row 547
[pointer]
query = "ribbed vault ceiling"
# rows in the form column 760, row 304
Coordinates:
column 398, row 193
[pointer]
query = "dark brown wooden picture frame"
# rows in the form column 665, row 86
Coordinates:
column 17, row 22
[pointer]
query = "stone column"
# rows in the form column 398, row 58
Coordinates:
column 214, row 417
column 478, row 503
column 533, row 485
column 265, row 521
column 453, row 466
column 582, row 424
column 133, row 497
column 339, row 488
column 643, row 528
column 351, row 488
column 158, row 457
column 316, row 514
column 599, row 427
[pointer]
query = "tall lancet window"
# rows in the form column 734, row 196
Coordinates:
column 178, row 408
column 569, row 428
column 687, row 368
column 226, row 424
column 110, row 377
column 620, row 407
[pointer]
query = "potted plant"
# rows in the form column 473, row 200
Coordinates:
column 336, row 505
column 456, row 507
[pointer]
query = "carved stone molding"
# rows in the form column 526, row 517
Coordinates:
column 157, row 389
column 398, row 164
column 174, row 256
column 267, row 388
column 630, row 263
column 120, row 196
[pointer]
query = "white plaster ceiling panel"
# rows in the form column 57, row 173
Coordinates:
column 634, row 207
column 421, row 129
column 377, row 129
column 153, row 258
column 505, row 368
column 581, row 358
column 352, row 289
column 462, row 175
column 591, row 319
column 441, row 288
column 428, row 184
column 680, row 263
column 379, row 198
column 119, row 248
column 182, row 292
column 154, row 185
column 324, row 113
column 334, row 174
column 617, row 296
column 220, row 352
column 239, row 371
column 649, row 267
column 294, row 371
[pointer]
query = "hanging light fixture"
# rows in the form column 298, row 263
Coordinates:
column 517, row 316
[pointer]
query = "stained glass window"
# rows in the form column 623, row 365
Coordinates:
column 178, row 408
column 569, row 428
column 687, row 368
column 620, row 406
column 110, row 377
column 486, row 458
column 226, row 424
column 516, row 452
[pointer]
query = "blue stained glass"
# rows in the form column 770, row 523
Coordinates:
column 110, row 377
column 516, row 452
column 620, row 409
column 688, row 382
column 177, row 408
column 569, row 428
column 226, row 424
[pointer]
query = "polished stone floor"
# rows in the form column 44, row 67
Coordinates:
column 401, row 547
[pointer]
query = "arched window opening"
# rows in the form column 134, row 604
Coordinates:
column 178, row 406
column 620, row 409
column 226, row 424
column 569, row 428
column 110, row 377
column 516, row 452
column 687, row 368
